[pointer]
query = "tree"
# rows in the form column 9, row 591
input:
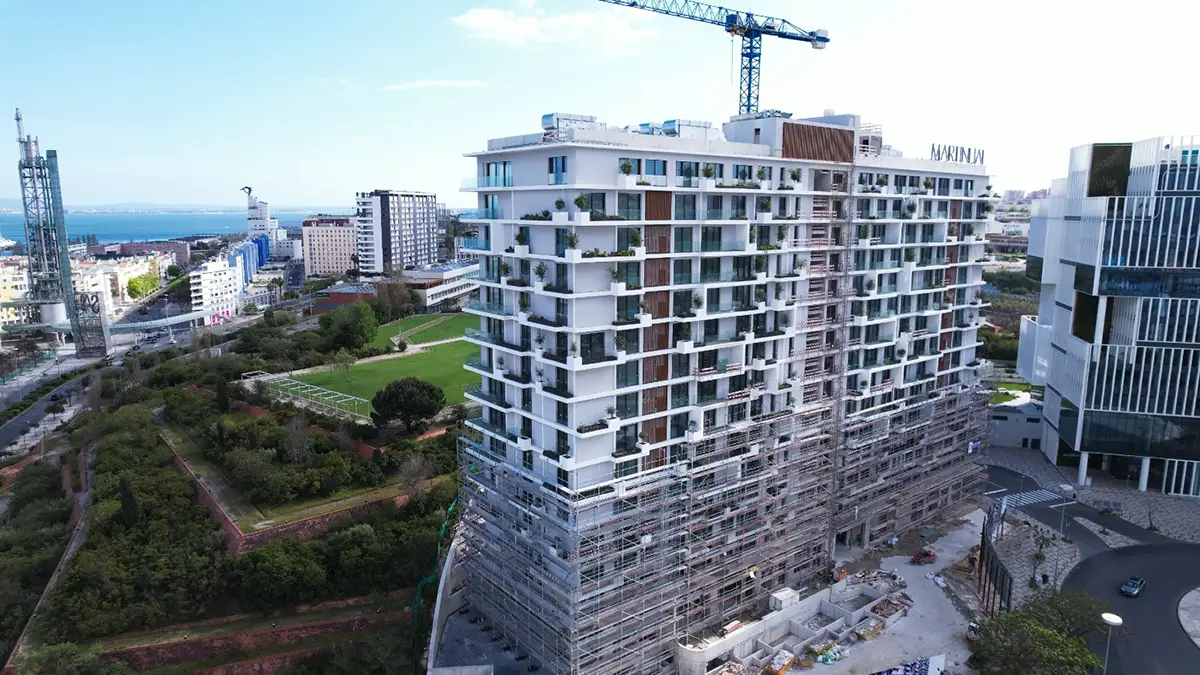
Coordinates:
column 456, row 231
column 411, row 400
column 141, row 286
column 344, row 361
column 1016, row 643
column 413, row 472
column 297, row 441
column 222, row 399
column 280, row 574
column 1070, row 612
column 174, row 271
column 131, row 510
column 180, row 291
column 349, row 327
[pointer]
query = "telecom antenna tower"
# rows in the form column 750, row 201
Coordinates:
column 52, row 298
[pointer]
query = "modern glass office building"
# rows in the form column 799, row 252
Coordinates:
column 1116, row 341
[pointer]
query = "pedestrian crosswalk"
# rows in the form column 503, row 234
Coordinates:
column 1031, row 497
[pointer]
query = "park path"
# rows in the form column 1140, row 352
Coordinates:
column 412, row 350
column 417, row 329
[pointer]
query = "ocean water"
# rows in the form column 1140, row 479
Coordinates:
column 119, row 227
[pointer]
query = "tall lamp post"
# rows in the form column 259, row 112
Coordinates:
column 1062, row 515
column 1111, row 620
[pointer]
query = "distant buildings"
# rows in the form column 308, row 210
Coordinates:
column 1008, row 243
column 180, row 251
column 218, row 285
column 396, row 230
column 260, row 222
column 330, row 243
column 1116, row 339
column 14, row 284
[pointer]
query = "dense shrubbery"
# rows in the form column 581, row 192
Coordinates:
column 273, row 463
column 30, row 546
column 998, row 346
column 1017, row 283
column 152, row 555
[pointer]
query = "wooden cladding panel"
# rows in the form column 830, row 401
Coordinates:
column 656, row 337
column 658, row 304
column 654, row 400
column 658, row 272
column 658, row 205
column 825, row 144
column 655, row 430
column 658, row 239
column 955, row 210
column 654, row 369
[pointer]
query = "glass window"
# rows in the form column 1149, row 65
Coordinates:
column 718, row 170
column 557, row 170
column 627, row 468
column 629, row 206
column 737, row 207
column 683, row 240
column 683, row 272
column 627, row 374
column 656, row 167
column 714, row 207
column 685, row 207
column 687, row 174
column 635, row 163
column 743, row 172
column 680, row 365
column 627, row 405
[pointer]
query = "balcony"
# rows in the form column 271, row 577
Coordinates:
column 487, row 182
column 496, row 308
column 477, row 244
column 482, row 214
column 559, row 390
column 497, row 340
column 717, row 247
column 475, row 390
column 494, row 429
column 556, row 178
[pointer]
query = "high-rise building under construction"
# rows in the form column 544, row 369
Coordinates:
column 708, row 357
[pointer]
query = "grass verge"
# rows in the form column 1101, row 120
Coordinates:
column 442, row 365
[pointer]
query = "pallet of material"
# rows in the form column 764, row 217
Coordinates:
column 780, row 663
column 821, row 647
column 733, row 668
column 868, row 628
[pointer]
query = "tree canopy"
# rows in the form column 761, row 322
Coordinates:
column 351, row 326
column 1046, row 637
column 141, row 286
column 410, row 400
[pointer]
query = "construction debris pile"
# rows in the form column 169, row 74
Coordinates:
column 887, row 607
column 888, row 581
column 920, row 667
column 781, row 662
column 868, row 628
column 831, row 654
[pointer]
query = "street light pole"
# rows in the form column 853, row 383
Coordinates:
column 1062, row 515
column 1111, row 620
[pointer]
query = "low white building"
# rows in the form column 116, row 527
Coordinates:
column 259, row 221
column 1015, row 424
column 444, row 286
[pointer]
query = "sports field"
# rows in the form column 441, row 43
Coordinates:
column 442, row 365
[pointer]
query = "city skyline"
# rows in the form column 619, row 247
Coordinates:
column 176, row 128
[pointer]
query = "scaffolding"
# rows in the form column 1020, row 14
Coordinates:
column 304, row 395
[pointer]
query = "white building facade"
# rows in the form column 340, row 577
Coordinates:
column 217, row 288
column 699, row 349
column 396, row 230
column 444, row 286
column 1117, row 337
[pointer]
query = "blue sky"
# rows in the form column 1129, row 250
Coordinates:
column 308, row 101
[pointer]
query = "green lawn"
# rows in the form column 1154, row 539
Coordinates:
column 1000, row 397
column 385, row 333
column 1014, row 386
column 453, row 327
column 441, row 365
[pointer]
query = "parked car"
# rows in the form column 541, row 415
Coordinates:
column 1134, row 587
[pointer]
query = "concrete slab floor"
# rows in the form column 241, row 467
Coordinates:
column 934, row 625
column 467, row 644
column 1189, row 615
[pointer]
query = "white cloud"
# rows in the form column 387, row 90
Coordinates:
column 613, row 30
column 431, row 84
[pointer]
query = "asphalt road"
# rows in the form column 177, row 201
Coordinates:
column 1153, row 642
column 17, row 426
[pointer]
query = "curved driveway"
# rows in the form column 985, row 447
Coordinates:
column 1156, row 644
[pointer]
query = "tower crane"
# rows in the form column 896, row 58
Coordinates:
column 750, row 27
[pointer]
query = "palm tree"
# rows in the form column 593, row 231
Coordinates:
column 456, row 231
column 275, row 285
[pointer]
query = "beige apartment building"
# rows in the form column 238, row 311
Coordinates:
column 329, row 244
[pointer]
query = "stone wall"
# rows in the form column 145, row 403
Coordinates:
column 233, row 535
column 8, row 475
column 81, row 469
column 266, row 665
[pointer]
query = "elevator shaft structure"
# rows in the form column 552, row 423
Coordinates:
column 52, row 298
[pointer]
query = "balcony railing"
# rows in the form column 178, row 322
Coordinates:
column 477, row 244
column 487, row 182
column 482, row 214
column 489, row 307
column 714, row 247
column 556, row 178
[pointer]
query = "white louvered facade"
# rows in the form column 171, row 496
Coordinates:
column 1117, row 337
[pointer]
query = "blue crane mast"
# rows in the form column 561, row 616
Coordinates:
column 751, row 28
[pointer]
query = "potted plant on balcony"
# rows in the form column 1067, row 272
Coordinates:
column 522, row 244
column 928, row 184
column 684, row 332
column 901, row 352
column 796, row 175
column 762, row 173
column 882, row 180
column 708, row 171
column 635, row 238
column 523, row 302
column 521, row 239
column 540, row 271
column 618, row 280
column 911, row 207
column 764, row 209
column 581, row 202
column 500, row 363
column 870, row 284
column 643, row 439
column 540, row 339
column 505, row 268
column 760, row 295
column 626, row 168
column 909, row 255
column 611, row 412
column 864, row 235
column 620, row 342
column 753, row 234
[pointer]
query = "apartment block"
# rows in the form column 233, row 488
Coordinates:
column 444, row 286
column 707, row 357
column 330, row 244
column 1117, row 337
column 260, row 223
column 396, row 231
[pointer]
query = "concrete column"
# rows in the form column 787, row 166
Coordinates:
column 1144, row 474
column 1081, row 477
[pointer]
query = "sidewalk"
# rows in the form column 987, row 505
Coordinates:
column 1175, row 517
